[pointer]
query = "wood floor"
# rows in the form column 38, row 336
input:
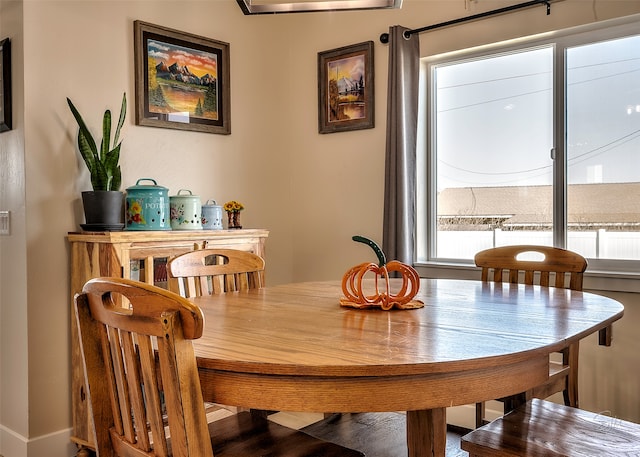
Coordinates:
column 375, row 434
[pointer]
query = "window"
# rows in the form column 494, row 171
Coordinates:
column 534, row 144
column 603, row 148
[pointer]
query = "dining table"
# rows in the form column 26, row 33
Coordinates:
column 293, row 347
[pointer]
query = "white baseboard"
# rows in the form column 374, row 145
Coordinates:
column 57, row 444
column 11, row 443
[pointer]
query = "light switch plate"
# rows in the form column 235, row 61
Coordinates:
column 5, row 223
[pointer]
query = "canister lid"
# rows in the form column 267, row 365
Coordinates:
column 147, row 187
column 185, row 193
column 211, row 203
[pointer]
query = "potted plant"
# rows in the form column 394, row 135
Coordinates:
column 103, row 206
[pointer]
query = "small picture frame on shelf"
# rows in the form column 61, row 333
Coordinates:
column 346, row 88
column 182, row 80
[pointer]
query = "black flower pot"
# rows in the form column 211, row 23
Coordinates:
column 103, row 209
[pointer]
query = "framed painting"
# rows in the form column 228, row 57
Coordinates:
column 182, row 80
column 5, row 85
column 345, row 88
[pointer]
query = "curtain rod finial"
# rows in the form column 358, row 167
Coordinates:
column 384, row 38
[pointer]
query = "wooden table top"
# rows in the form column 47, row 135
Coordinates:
column 300, row 328
column 292, row 347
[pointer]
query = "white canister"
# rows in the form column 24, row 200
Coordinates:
column 211, row 216
column 186, row 211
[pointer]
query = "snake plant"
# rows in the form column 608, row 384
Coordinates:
column 102, row 164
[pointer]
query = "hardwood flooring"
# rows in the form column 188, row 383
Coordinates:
column 375, row 434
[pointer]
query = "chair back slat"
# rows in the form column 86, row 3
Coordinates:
column 544, row 278
column 134, row 385
column 215, row 271
column 140, row 369
column 152, row 396
column 558, row 267
column 120, row 387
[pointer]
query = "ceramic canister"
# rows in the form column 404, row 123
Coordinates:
column 211, row 216
column 147, row 206
column 186, row 211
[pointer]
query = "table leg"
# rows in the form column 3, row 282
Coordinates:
column 514, row 402
column 427, row 433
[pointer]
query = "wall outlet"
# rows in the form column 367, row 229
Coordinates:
column 5, row 223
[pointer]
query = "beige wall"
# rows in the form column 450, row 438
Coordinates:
column 13, row 310
column 313, row 192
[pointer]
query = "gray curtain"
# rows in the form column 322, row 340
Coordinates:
column 400, row 164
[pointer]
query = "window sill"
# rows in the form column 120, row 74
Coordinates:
column 612, row 281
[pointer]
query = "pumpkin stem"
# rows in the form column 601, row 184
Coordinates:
column 382, row 259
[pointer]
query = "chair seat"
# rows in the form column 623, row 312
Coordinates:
column 541, row 428
column 250, row 435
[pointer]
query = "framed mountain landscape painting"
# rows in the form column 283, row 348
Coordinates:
column 345, row 88
column 182, row 80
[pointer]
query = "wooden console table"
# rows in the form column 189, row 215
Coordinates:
column 138, row 255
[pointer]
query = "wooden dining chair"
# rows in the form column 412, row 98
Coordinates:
column 140, row 368
column 214, row 271
column 542, row 428
column 549, row 267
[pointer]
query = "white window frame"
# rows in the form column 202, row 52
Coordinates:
column 602, row 274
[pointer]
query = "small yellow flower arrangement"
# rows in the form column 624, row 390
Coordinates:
column 233, row 206
column 233, row 209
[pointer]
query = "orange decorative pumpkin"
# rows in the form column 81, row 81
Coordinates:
column 381, row 295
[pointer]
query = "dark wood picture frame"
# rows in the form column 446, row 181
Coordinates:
column 5, row 85
column 182, row 80
column 346, row 88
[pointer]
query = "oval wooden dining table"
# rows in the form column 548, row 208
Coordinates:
column 294, row 348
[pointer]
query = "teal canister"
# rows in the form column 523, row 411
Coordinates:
column 147, row 206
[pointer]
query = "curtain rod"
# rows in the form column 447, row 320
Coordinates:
column 384, row 38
